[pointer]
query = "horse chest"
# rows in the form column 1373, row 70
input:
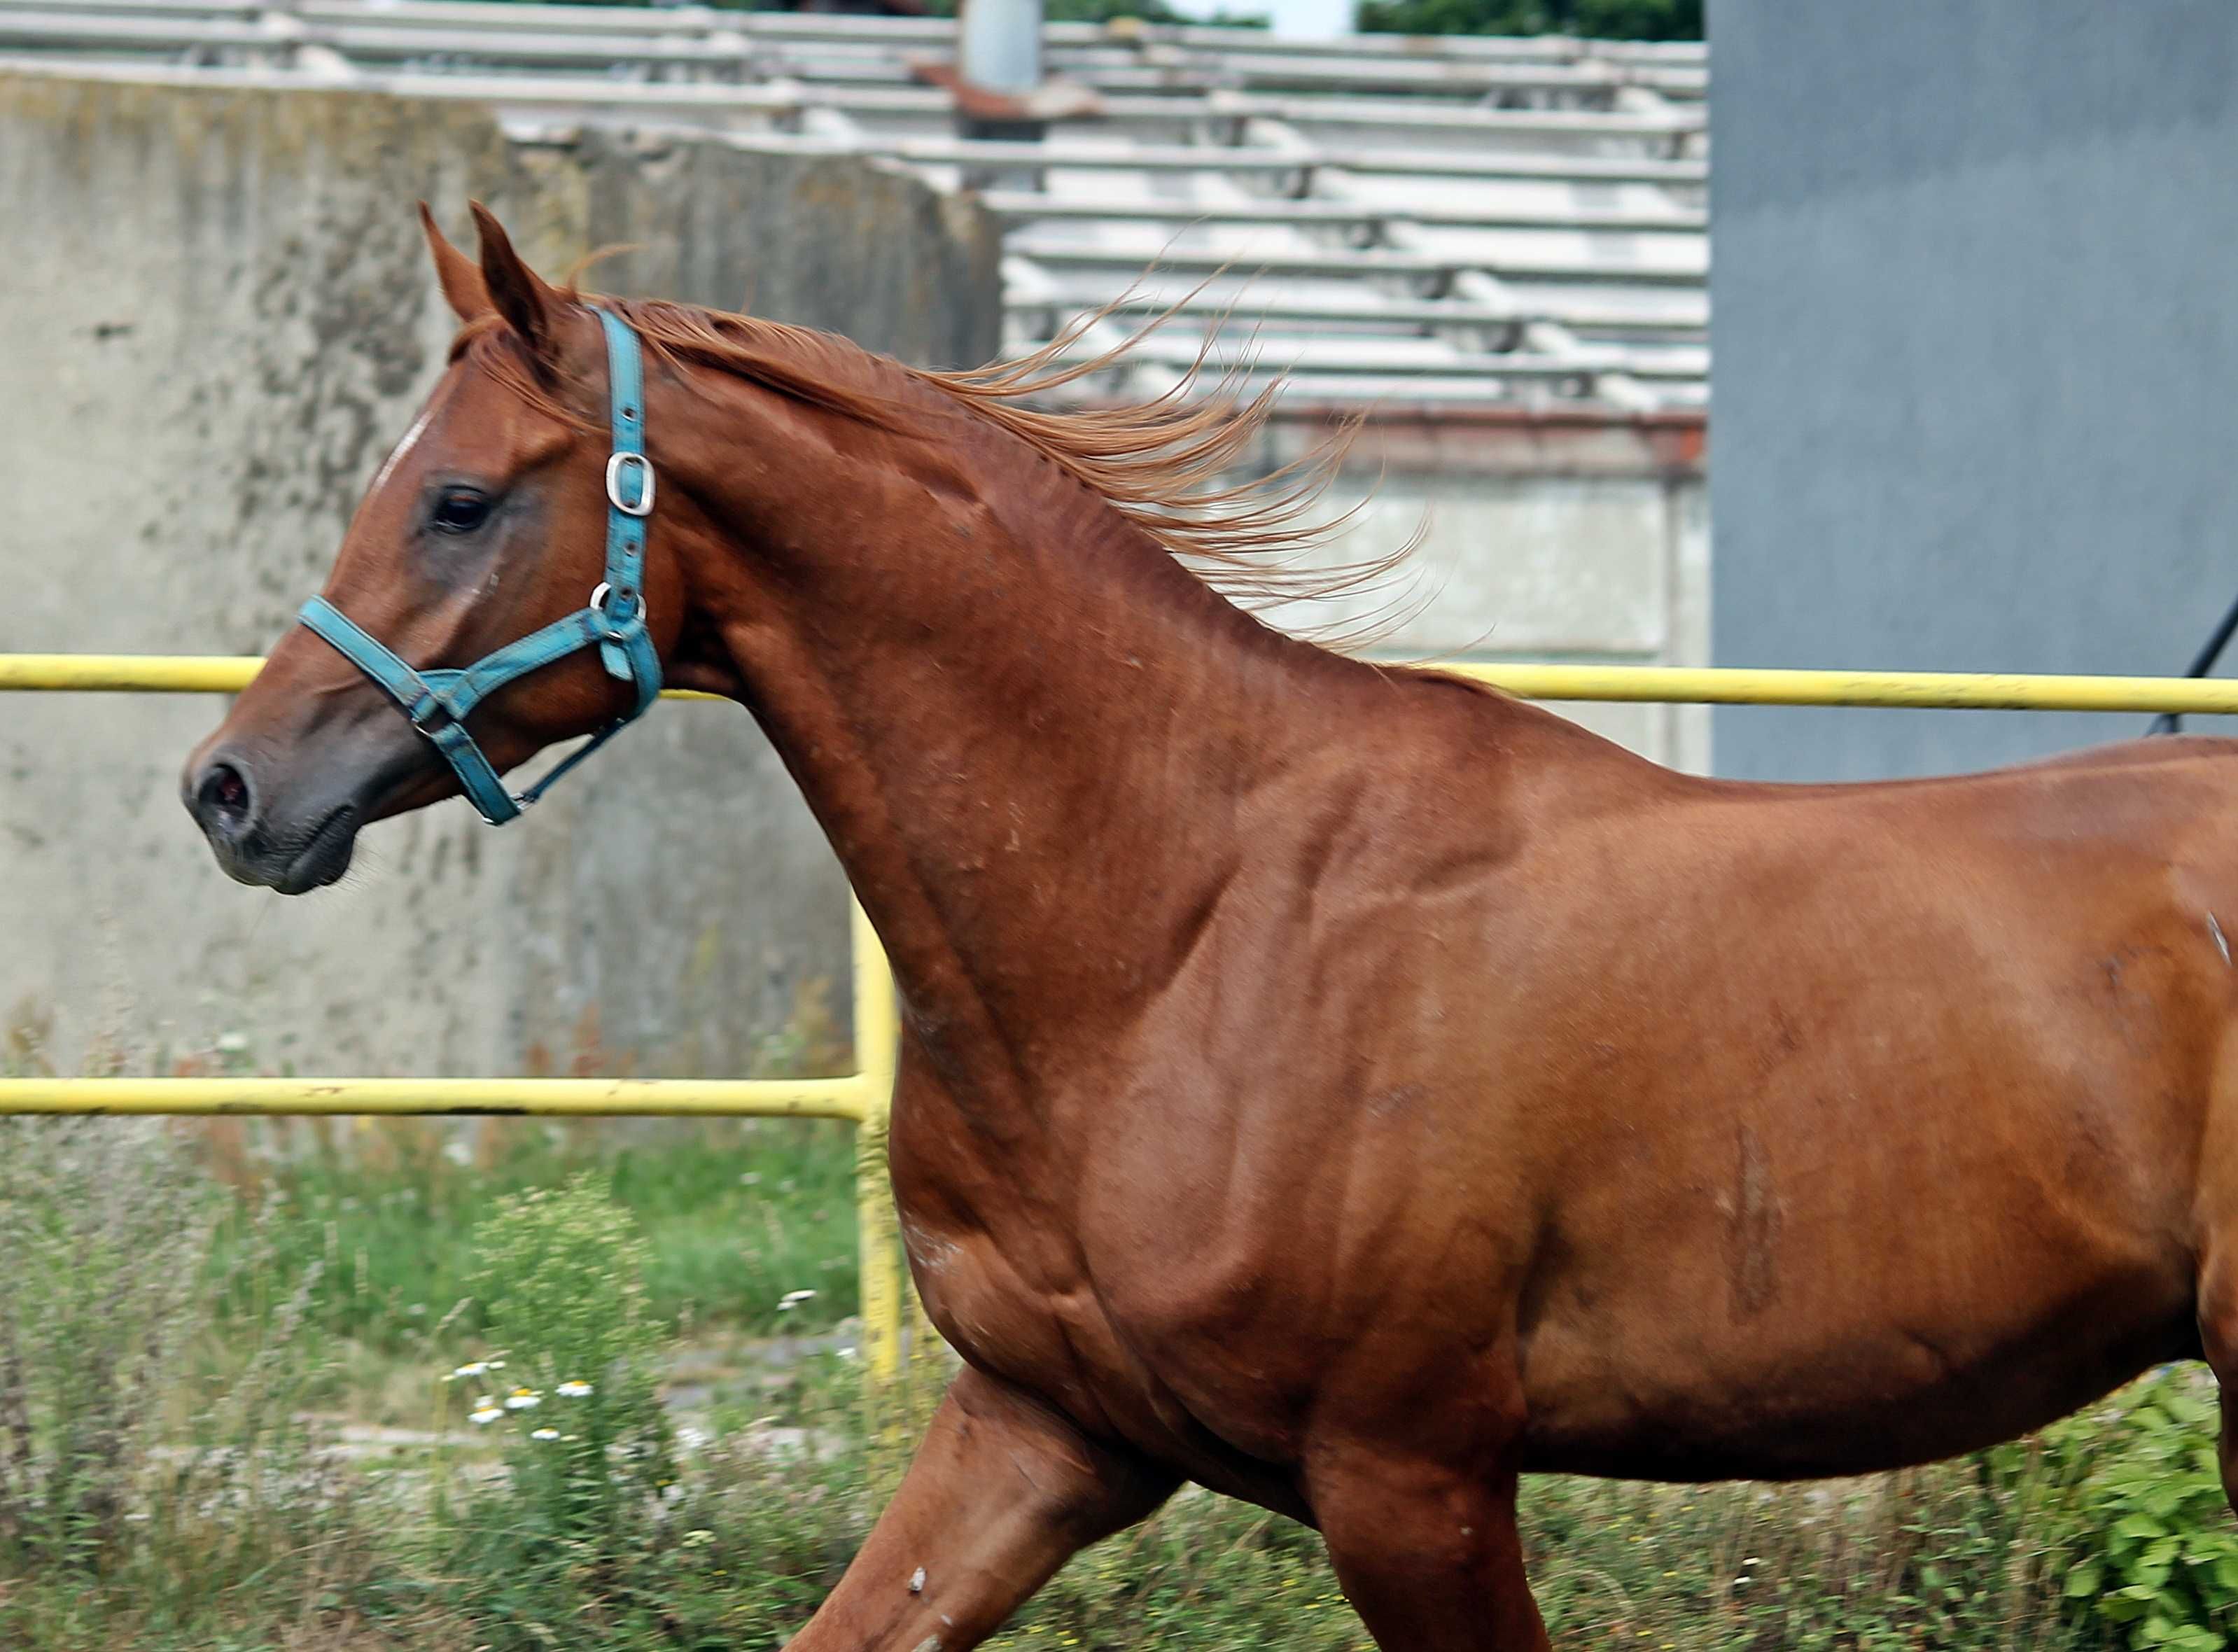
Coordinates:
column 1016, row 1296
column 1010, row 1304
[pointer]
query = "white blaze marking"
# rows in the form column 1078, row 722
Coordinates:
column 402, row 449
column 2221, row 945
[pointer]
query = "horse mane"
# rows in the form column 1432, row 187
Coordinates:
column 1158, row 463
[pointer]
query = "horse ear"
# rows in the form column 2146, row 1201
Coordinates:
column 518, row 293
column 462, row 283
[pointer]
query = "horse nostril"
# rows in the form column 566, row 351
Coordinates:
column 223, row 794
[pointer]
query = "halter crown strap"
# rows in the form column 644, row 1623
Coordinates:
column 612, row 622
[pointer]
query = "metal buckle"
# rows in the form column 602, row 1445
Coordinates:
column 602, row 591
column 614, row 463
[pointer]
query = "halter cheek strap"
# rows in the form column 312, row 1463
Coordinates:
column 612, row 622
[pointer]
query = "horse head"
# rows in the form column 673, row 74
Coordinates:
column 497, row 591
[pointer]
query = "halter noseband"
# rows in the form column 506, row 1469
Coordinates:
column 612, row 622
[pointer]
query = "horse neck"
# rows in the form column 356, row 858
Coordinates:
column 1025, row 729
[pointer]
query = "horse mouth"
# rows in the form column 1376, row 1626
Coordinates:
column 324, row 856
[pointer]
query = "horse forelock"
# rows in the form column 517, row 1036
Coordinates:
column 492, row 346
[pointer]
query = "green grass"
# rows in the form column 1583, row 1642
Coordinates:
column 737, row 1215
column 755, row 1541
column 332, row 1293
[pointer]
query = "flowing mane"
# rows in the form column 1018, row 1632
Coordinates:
column 1161, row 464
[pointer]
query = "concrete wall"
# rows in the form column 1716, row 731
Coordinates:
column 215, row 315
column 1975, row 338
column 1543, row 536
column 224, row 320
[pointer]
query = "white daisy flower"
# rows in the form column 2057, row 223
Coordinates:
column 486, row 1415
column 471, row 1368
column 544, row 1434
column 523, row 1399
column 573, row 1389
column 792, row 1299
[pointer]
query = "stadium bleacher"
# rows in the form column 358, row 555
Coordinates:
column 1458, row 219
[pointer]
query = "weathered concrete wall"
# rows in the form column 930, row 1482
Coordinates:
column 216, row 314
column 857, row 247
column 1581, row 540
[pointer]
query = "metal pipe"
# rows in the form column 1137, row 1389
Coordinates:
column 1242, row 158
column 1969, row 691
column 157, row 674
column 878, row 1228
column 846, row 1099
column 1672, row 684
column 999, row 45
column 863, row 1098
column 2201, row 663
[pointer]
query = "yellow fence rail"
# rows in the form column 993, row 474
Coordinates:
column 1918, row 690
column 1666, row 684
column 553, row 1098
column 864, row 1098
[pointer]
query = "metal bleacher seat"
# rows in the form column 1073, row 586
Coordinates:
column 1468, row 219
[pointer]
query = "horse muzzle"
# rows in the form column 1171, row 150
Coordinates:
column 302, row 845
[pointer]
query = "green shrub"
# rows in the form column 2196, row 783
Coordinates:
column 561, row 1281
column 2163, row 1569
column 571, row 1382
column 1593, row 19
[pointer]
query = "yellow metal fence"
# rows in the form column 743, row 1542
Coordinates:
column 1668, row 684
column 864, row 1098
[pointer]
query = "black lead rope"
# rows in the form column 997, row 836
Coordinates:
column 2171, row 721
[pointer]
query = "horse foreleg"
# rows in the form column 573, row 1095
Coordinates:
column 1001, row 1494
column 1428, row 1557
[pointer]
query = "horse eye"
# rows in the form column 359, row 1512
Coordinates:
column 458, row 510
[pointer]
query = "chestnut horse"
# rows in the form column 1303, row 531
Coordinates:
column 1342, row 1088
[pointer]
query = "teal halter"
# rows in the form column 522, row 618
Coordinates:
column 612, row 622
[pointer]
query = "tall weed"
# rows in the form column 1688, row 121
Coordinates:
column 105, row 1229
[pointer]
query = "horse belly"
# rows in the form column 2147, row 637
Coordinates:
column 1853, row 1360
column 1843, row 1219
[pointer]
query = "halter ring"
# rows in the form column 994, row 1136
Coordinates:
column 601, row 592
column 614, row 465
